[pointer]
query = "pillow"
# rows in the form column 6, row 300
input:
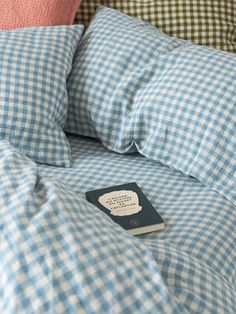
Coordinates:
column 211, row 22
column 136, row 88
column 34, row 66
column 23, row 13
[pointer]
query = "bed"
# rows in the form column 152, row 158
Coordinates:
column 61, row 254
column 69, row 257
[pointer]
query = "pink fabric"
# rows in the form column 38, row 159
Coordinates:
column 24, row 13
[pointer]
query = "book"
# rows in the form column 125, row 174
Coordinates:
column 127, row 205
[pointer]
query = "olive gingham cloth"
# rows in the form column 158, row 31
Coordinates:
column 211, row 23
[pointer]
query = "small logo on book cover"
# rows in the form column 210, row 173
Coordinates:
column 134, row 222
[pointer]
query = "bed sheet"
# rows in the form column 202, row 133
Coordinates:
column 199, row 222
column 60, row 254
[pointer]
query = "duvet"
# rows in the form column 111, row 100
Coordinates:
column 59, row 254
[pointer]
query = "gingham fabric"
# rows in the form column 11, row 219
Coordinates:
column 211, row 23
column 135, row 88
column 34, row 65
column 60, row 254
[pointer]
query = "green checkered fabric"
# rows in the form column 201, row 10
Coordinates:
column 205, row 22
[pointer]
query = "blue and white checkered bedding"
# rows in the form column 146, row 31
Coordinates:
column 34, row 65
column 135, row 88
column 60, row 254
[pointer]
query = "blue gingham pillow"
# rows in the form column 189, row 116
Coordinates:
column 136, row 88
column 34, row 66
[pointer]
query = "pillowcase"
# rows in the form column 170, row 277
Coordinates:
column 34, row 66
column 211, row 22
column 23, row 13
column 136, row 88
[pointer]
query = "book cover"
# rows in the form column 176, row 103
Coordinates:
column 127, row 205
